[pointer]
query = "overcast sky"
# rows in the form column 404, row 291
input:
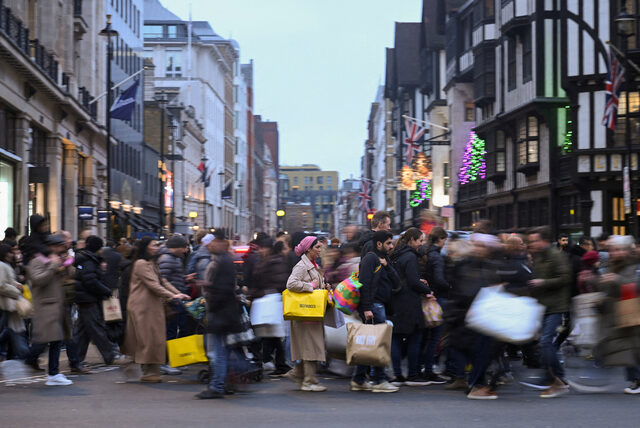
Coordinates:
column 317, row 66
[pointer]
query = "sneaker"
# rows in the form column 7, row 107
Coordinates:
column 120, row 360
column 634, row 388
column 209, row 394
column 291, row 375
column 482, row 393
column 416, row 380
column 313, row 387
column 168, row 370
column 384, row 387
column 268, row 366
column 557, row 388
column 57, row 380
column 433, row 379
column 355, row 386
column 456, row 385
column 79, row 369
column 398, row 380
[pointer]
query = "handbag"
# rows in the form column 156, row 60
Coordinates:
column 334, row 318
column 24, row 308
column 244, row 337
column 505, row 316
column 432, row 312
column 627, row 309
column 369, row 344
column 304, row 306
column 186, row 350
column 111, row 308
column 346, row 295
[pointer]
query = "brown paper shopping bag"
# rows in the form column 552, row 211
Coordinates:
column 369, row 344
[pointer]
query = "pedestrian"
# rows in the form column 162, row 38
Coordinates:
column 551, row 286
column 307, row 337
column 434, row 274
column 10, row 235
column 199, row 259
column 619, row 346
column 145, row 335
column 381, row 220
column 171, row 265
column 10, row 292
column 378, row 278
column 35, row 242
column 603, row 251
column 589, row 274
column 408, row 318
column 90, row 292
column 123, row 247
column 223, row 316
column 45, row 273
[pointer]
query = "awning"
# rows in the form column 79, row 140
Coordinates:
column 133, row 221
column 146, row 223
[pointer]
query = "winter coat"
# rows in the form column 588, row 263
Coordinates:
column 145, row 335
column 223, row 310
column 114, row 260
column 172, row 269
column 273, row 273
column 90, row 286
column 515, row 272
column 307, row 337
column 553, row 267
column 407, row 298
column 9, row 293
column 617, row 346
column 35, row 242
column 48, row 320
column 576, row 266
column 198, row 262
column 366, row 243
column 377, row 281
column 434, row 272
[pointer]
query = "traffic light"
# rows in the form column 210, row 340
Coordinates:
column 370, row 215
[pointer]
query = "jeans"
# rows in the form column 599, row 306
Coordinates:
column 360, row 373
column 19, row 345
column 456, row 362
column 413, row 352
column 550, row 360
column 91, row 328
column 178, row 325
column 54, row 355
column 430, row 340
column 633, row 373
column 480, row 359
column 219, row 356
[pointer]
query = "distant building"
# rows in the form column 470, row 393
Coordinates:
column 309, row 184
column 347, row 211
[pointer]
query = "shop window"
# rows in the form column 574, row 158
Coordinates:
column 7, row 202
column 7, row 130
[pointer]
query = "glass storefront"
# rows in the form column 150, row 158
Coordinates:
column 6, row 194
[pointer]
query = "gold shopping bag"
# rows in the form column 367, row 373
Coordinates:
column 186, row 350
column 304, row 306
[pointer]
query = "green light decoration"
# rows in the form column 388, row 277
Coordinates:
column 422, row 193
column 473, row 166
column 567, row 142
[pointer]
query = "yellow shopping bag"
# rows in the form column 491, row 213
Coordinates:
column 186, row 350
column 304, row 306
column 26, row 293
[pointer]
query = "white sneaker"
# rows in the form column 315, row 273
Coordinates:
column 58, row 380
column 168, row 370
column 633, row 389
column 268, row 367
column 384, row 387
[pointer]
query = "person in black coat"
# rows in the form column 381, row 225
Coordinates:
column 408, row 319
column 223, row 315
column 381, row 220
column 90, row 292
column 35, row 242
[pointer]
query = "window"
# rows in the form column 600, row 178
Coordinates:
column 446, row 181
column 172, row 31
column 235, row 93
column 295, row 181
column 7, row 129
column 236, row 119
column 319, row 180
column 469, row 112
column 511, row 64
column 633, row 115
column 174, row 62
column 526, row 56
column 329, row 179
column 153, row 31
column 235, row 145
column 501, row 157
column 527, row 142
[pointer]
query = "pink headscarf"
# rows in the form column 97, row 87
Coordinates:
column 304, row 245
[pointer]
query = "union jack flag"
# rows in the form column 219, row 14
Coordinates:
column 414, row 133
column 613, row 86
column 365, row 195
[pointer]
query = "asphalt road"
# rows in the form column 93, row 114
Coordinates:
column 102, row 400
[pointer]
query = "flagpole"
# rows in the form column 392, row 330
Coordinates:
column 425, row 122
column 117, row 85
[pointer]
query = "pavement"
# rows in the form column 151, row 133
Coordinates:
column 104, row 399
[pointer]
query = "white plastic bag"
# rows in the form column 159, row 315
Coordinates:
column 586, row 319
column 267, row 310
column 504, row 316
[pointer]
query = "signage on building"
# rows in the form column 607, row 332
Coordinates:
column 85, row 213
column 102, row 216
column 168, row 190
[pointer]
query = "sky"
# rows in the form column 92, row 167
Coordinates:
column 317, row 67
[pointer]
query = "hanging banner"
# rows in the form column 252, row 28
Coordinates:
column 102, row 216
column 85, row 213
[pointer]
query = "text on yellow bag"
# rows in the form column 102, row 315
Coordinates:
column 186, row 350
column 304, row 306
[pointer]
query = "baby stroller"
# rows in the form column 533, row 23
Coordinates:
column 242, row 367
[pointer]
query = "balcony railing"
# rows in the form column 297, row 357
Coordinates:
column 471, row 191
column 44, row 60
column 13, row 28
column 85, row 99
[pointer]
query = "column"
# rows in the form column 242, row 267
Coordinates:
column 22, row 174
column 53, row 195
column 70, row 194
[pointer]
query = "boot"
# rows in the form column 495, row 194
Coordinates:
column 310, row 382
column 151, row 373
column 295, row 374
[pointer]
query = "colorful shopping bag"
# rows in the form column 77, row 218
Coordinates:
column 186, row 350
column 304, row 306
column 432, row 312
column 346, row 296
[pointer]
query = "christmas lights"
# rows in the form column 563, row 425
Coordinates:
column 473, row 166
column 422, row 193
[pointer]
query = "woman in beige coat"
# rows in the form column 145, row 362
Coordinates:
column 145, row 336
column 307, row 337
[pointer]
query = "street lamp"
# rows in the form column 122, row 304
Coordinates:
column 162, row 101
column 626, row 24
column 109, row 33
column 204, row 161
column 172, row 129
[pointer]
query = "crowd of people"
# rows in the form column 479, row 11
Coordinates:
column 68, row 280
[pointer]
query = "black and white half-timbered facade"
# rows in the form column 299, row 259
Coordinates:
column 538, row 69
